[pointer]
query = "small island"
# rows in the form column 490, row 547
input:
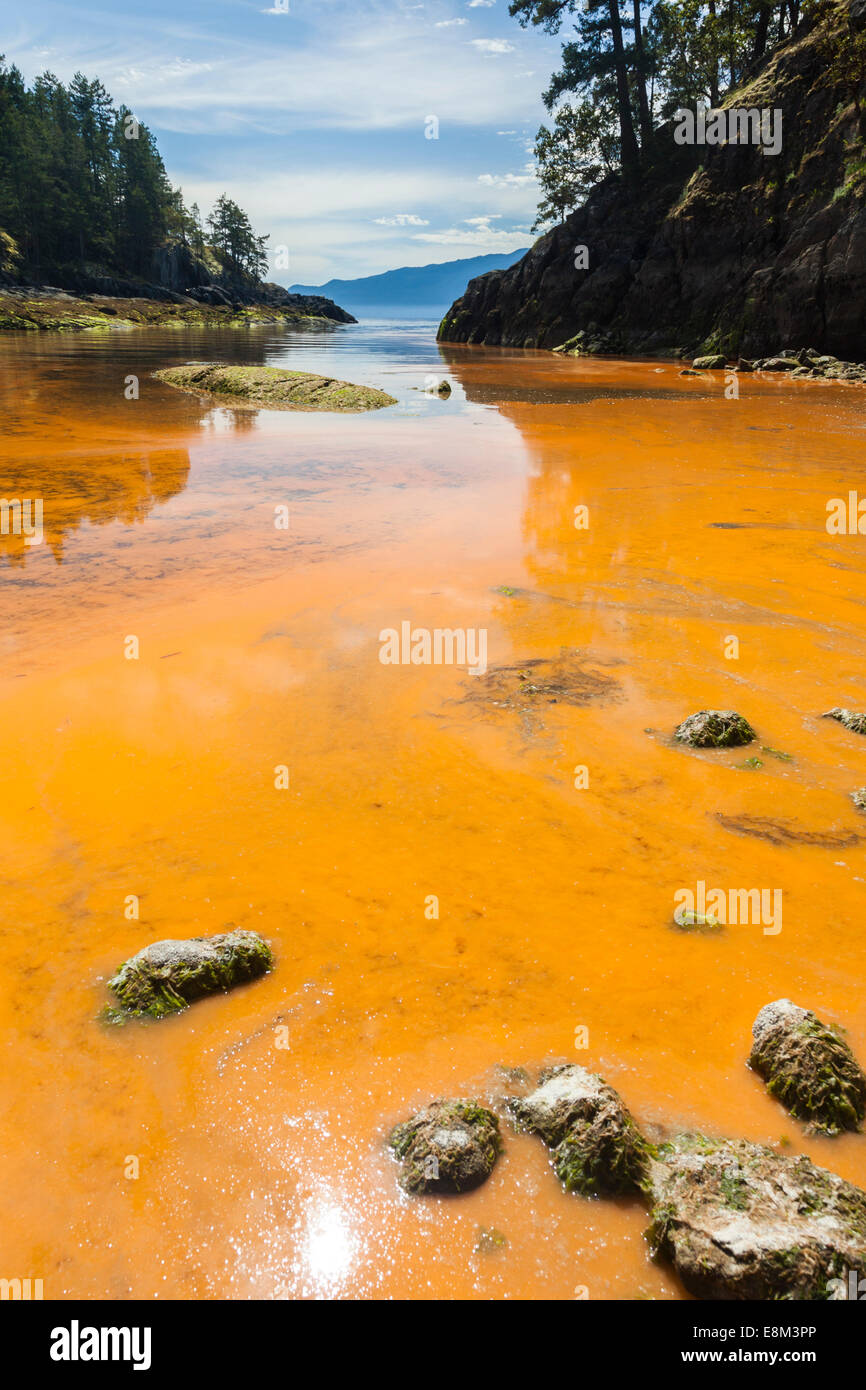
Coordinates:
column 248, row 388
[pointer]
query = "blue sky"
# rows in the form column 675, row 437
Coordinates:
column 312, row 115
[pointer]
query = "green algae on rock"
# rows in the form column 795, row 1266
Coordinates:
column 715, row 728
column 848, row 719
column 713, row 362
column 688, row 920
column 740, row 1221
column 168, row 975
column 808, row 1068
column 450, row 1146
column 273, row 388
column 596, row 1145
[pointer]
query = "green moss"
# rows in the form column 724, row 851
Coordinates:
column 715, row 729
column 450, row 1146
column 273, row 388
column 604, row 1154
column 735, row 1192
column 812, row 1072
column 165, row 978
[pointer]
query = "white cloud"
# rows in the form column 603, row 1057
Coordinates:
column 530, row 175
column 402, row 219
column 477, row 239
column 449, row 23
column 492, row 45
column 486, row 4
column 377, row 70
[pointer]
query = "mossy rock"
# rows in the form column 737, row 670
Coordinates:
column 603, row 1156
column 715, row 728
column 273, row 388
column 740, row 1221
column 596, row 1145
column 848, row 719
column 808, row 1068
column 450, row 1146
column 859, row 798
column 169, row 975
column 714, row 362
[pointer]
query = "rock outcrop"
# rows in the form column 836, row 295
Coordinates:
column 168, row 975
column 808, row 1067
column 715, row 728
column 724, row 249
column 596, row 1146
column 450, row 1146
column 273, row 388
column 739, row 1221
column 849, row 719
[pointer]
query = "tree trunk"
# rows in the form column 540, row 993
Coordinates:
column 714, row 69
column 646, row 124
column 628, row 139
column 761, row 30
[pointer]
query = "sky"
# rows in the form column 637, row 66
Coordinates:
column 314, row 115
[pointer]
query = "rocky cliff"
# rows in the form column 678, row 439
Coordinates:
column 722, row 248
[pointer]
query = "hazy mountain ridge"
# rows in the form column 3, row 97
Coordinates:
column 410, row 288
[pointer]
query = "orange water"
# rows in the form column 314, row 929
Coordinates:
column 262, row 1170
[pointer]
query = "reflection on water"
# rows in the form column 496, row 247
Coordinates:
column 81, row 487
column 263, row 1170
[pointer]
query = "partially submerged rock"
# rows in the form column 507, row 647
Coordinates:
column 168, row 975
column 444, row 389
column 739, row 1221
column 273, row 388
column 596, row 1145
column 715, row 728
column 688, row 920
column 807, row 1067
column 716, row 361
column 449, row 1146
column 859, row 798
column 777, row 364
column 571, row 678
column 779, row 832
column 848, row 719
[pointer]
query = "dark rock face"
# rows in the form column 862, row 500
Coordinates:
column 596, row 1145
column 739, row 1221
column 450, row 1146
column 167, row 976
column 723, row 250
column 274, row 296
column 807, row 1067
column 715, row 728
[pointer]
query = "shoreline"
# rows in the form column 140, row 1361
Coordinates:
column 39, row 310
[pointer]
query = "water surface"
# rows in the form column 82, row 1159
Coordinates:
column 262, row 1170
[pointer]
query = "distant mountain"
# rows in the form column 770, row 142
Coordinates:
column 423, row 291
